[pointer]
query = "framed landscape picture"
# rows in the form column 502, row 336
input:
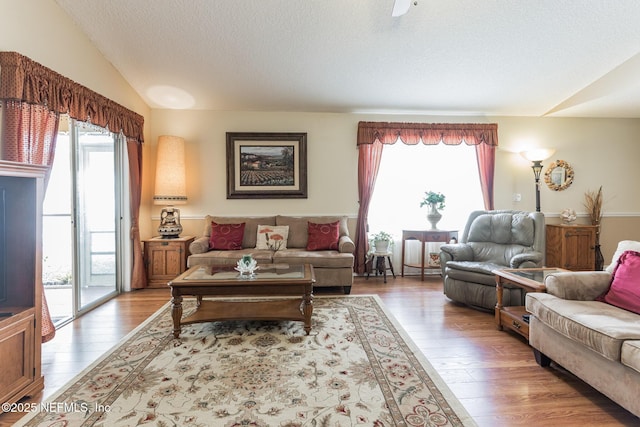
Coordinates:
column 266, row 165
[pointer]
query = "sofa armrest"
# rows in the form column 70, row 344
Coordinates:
column 578, row 285
column 526, row 260
column 456, row 252
column 346, row 245
column 199, row 245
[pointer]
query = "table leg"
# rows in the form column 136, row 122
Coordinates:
column 402, row 260
column 176, row 311
column 422, row 262
column 307, row 308
column 499, row 292
column 391, row 267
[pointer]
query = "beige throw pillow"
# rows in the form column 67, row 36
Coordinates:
column 624, row 245
column 272, row 237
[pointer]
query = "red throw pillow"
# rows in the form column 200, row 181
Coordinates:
column 323, row 236
column 226, row 237
column 624, row 291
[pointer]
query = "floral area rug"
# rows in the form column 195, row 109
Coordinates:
column 356, row 368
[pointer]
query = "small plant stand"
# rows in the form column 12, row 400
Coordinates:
column 379, row 262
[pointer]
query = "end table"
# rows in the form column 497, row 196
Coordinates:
column 165, row 259
column 529, row 279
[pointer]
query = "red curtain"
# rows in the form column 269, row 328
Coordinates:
column 486, row 155
column 29, row 136
column 368, row 165
column 373, row 135
column 138, row 272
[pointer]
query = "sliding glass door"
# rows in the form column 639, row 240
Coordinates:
column 81, row 243
column 96, row 215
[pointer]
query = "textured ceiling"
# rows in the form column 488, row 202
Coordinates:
column 493, row 57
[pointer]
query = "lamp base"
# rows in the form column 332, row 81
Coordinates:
column 170, row 227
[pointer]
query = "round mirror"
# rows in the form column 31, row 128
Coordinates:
column 559, row 175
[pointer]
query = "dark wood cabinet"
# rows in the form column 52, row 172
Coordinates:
column 572, row 247
column 21, row 195
column 165, row 259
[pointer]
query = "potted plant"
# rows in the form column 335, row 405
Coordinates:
column 435, row 201
column 381, row 241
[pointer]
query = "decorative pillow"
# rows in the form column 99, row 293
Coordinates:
column 323, row 236
column 226, row 237
column 624, row 291
column 272, row 237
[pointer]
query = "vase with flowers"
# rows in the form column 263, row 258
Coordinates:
column 435, row 201
column 593, row 204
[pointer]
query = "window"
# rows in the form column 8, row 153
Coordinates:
column 407, row 172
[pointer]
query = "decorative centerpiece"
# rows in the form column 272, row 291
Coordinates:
column 435, row 201
column 247, row 267
column 568, row 216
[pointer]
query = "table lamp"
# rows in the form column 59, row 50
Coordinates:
column 170, row 188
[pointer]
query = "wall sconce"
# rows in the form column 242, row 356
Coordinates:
column 537, row 156
column 170, row 184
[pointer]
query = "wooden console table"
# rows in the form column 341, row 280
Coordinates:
column 425, row 236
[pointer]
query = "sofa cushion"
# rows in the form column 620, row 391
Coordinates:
column 601, row 327
column 226, row 237
column 624, row 291
column 624, row 245
column 502, row 228
column 216, row 257
column 272, row 237
column 631, row 354
column 299, row 227
column 323, row 236
column 250, row 227
column 319, row 259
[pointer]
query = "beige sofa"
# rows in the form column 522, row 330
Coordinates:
column 331, row 267
column 598, row 342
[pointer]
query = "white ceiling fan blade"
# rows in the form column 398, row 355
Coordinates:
column 400, row 7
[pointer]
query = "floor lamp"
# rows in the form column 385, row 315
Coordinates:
column 537, row 156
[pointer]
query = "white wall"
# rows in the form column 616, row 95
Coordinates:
column 601, row 152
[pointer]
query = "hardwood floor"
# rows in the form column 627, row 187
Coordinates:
column 492, row 373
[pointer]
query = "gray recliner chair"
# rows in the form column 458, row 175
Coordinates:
column 492, row 240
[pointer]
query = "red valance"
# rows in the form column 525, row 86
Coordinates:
column 24, row 80
column 428, row 133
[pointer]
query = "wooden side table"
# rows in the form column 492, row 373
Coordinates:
column 165, row 259
column 529, row 279
column 425, row 236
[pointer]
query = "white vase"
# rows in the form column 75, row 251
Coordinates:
column 433, row 216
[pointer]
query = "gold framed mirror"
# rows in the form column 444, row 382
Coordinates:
column 559, row 175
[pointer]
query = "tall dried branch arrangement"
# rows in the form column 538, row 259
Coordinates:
column 593, row 204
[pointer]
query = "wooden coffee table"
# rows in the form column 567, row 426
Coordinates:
column 274, row 285
column 529, row 279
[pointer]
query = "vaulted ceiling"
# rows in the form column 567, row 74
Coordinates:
column 456, row 57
